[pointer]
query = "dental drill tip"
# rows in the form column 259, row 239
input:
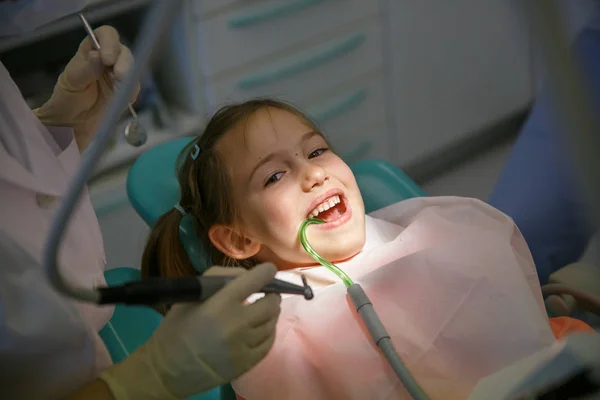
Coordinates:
column 308, row 293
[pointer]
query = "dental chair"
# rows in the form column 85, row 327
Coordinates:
column 153, row 190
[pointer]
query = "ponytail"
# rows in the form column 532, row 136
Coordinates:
column 164, row 255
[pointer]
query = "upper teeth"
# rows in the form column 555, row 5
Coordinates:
column 324, row 206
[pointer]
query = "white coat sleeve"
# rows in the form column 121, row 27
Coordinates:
column 45, row 349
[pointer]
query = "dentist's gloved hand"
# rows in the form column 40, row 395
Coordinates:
column 85, row 87
column 199, row 347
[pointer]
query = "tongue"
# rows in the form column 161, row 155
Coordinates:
column 330, row 215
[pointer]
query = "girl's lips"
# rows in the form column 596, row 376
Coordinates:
column 320, row 199
column 341, row 220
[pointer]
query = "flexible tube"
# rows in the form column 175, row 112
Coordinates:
column 365, row 309
column 156, row 21
column 316, row 256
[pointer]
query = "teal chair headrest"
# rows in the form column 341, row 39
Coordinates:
column 153, row 189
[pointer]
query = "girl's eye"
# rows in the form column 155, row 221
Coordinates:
column 317, row 153
column 274, row 178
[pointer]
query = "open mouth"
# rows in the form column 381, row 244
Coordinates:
column 334, row 210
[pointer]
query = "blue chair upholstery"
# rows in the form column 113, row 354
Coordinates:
column 153, row 190
column 140, row 321
column 382, row 184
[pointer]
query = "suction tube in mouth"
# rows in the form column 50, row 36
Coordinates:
column 316, row 256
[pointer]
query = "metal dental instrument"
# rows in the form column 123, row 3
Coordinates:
column 369, row 316
column 135, row 134
column 186, row 289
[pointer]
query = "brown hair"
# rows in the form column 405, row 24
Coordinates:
column 206, row 196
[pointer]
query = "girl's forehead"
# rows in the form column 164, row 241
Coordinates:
column 265, row 130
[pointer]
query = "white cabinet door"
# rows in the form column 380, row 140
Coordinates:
column 457, row 66
column 238, row 39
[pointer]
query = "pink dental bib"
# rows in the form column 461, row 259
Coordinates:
column 452, row 280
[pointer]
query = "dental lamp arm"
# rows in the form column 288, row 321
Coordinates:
column 155, row 23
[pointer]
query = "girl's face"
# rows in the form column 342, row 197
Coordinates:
column 283, row 172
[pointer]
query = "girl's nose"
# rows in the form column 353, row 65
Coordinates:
column 314, row 176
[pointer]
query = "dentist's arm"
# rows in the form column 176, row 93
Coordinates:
column 197, row 347
column 84, row 88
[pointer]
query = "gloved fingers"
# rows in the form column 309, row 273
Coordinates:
column 257, row 336
column 260, row 351
column 83, row 70
column 250, row 282
column 122, row 66
column 263, row 310
column 110, row 44
column 123, row 63
column 89, row 64
column 224, row 271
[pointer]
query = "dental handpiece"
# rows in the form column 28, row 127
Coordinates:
column 161, row 290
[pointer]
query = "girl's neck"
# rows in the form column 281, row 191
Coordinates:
column 285, row 265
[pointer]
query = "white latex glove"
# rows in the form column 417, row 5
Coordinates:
column 85, row 86
column 199, row 347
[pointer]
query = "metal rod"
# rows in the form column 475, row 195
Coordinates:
column 159, row 15
column 90, row 32
column 132, row 111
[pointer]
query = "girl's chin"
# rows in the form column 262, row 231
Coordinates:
column 304, row 260
column 343, row 249
column 344, row 257
column 308, row 262
column 336, row 257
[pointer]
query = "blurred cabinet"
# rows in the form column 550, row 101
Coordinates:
column 456, row 67
column 324, row 56
column 396, row 79
column 392, row 79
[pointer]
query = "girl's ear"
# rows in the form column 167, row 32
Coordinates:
column 233, row 244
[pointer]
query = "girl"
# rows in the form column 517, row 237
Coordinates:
column 452, row 279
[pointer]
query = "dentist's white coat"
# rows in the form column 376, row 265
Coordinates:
column 49, row 345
